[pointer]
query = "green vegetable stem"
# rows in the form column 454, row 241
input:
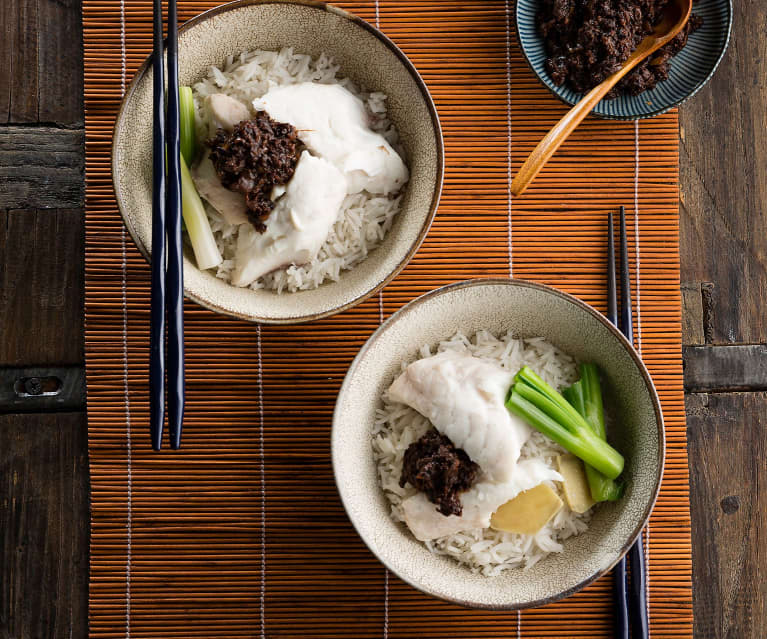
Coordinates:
column 186, row 119
column 548, row 411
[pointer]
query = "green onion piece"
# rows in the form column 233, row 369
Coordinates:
column 548, row 406
column 206, row 252
column 602, row 488
column 592, row 399
column 527, row 376
column 578, row 439
column 574, row 395
column 586, row 397
column 186, row 118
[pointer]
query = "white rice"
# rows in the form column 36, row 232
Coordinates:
column 364, row 219
column 397, row 426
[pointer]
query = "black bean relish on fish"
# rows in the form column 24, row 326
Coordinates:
column 256, row 156
column 433, row 465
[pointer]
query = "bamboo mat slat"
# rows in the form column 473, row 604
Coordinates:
column 241, row 533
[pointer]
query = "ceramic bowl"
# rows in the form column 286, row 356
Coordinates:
column 367, row 57
column 691, row 68
column 529, row 310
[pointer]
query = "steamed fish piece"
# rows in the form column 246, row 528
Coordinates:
column 299, row 224
column 333, row 124
column 479, row 502
column 463, row 397
column 230, row 204
column 225, row 112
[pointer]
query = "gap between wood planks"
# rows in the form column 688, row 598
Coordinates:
column 710, row 367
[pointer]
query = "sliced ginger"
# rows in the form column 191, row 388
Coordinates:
column 528, row 512
column 575, row 485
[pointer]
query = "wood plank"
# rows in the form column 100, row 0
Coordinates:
column 19, row 76
column 722, row 167
column 8, row 33
column 61, row 62
column 728, row 471
column 692, row 314
column 41, row 168
column 725, row 368
column 41, row 287
column 41, row 62
column 44, row 522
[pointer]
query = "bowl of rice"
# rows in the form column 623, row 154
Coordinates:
column 510, row 324
column 244, row 50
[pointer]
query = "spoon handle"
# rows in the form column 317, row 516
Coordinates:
column 558, row 134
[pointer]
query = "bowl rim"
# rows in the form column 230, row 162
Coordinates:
column 630, row 118
column 425, row 94
column 515, row 282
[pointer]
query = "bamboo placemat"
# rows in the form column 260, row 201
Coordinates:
column 241, row 533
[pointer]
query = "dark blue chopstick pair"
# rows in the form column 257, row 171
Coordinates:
column 167, row 259
column 630, row 605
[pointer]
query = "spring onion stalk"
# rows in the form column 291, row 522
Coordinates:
column 586, row 397
column 206, row 252
column 186, row 118
column 537, row 393
column 593, row 411
column 571, row 416
column 603, row 488
column 582, row 443
column 574, row 395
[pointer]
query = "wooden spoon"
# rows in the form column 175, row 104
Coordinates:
column 675, row 16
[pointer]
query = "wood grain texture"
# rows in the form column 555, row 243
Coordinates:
column 43, row 526
column 728, row 453
column 40, row 62
column 723, row 167
column 41, row 295
column 725, row 368
column 60, row 94
column 41, row 168
column 43, row 458
column 692, row 312
column 19, row 75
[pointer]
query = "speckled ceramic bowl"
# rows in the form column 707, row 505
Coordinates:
column 691, row 68
column 529, row 310
column 367, row 57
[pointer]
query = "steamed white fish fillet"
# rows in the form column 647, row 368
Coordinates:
column 463, row 397
column 230, row 204
column 479, row 502
column 299, row 224
column 333, row 123
column 225, row 112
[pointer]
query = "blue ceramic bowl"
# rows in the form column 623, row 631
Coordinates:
column 691, row 68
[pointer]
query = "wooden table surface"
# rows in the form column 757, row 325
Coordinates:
column 43, row 455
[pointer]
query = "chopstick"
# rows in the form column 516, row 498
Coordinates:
column 630, row 606
column 174, row 278
column 167, row 259
column 638, row 593
column 157, row 311
column 620, row 587
column 612, row 294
